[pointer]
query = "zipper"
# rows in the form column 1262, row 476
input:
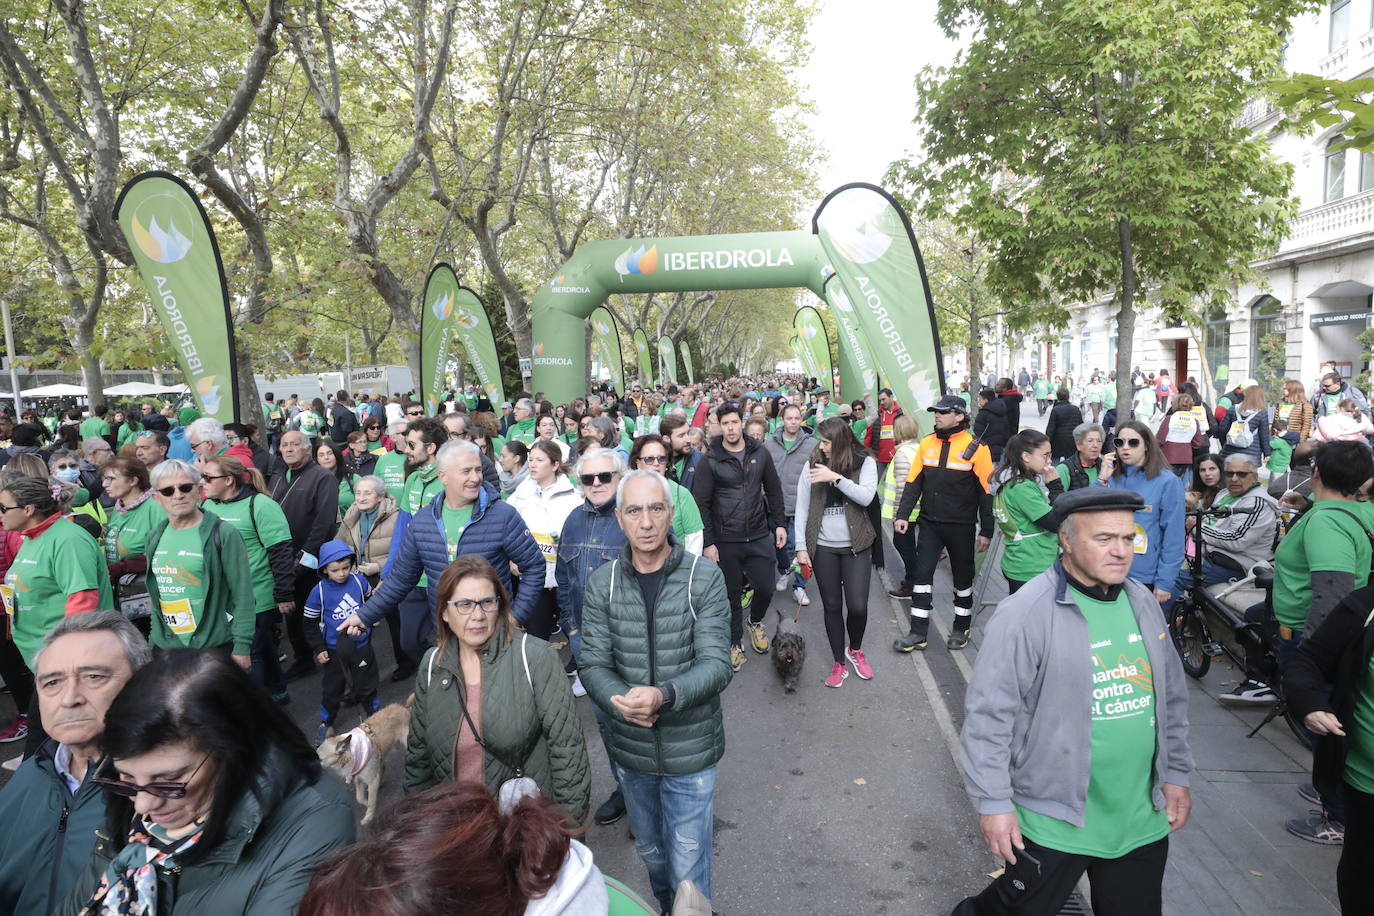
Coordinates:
column 57, row 853
column 653, row 664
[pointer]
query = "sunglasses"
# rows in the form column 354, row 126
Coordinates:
column 945, row 411
column 1238, row 473
column 653, row 459
column 159, row 789
column 176, row 488
column 415, row 413
column 589, row 479
column 212, row 477
column 1128, row 443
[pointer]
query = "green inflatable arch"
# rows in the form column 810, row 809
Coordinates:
column 860, row 256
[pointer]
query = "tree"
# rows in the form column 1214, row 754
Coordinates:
column 1094, row 146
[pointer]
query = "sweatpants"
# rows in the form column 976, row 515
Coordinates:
column 842, row 578
column 1042, row 879
column 754, row 559
column 349, row 666
column 932, row 539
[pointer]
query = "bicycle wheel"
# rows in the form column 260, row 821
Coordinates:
column 1186, row 631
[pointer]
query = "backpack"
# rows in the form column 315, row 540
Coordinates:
column 1242, row 433
column 276, row 418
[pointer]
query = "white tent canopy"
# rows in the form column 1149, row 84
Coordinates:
column 139, row 389
column 54, row 391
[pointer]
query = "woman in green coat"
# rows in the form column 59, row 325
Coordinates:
column 217, row 804
column 491, row 703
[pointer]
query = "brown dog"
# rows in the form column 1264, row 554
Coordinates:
column 358, row 754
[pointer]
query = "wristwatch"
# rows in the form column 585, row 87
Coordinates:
column 669, row 695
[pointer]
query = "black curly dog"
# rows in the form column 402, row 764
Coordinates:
column 789, row 652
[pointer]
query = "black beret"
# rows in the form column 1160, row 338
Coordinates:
column 1096, row 499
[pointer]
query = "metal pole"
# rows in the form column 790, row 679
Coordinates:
column 9, row 351
column 348, row 363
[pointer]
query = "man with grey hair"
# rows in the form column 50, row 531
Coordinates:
column 655, row 659
column 523, row 422
column 95, row 454
column 464, row 518
column 1245, row 538
column 591, row 538
column 309, row 497
column 50, row 808
column 1080, row 469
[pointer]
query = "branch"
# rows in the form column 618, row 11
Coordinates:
column 264, row 49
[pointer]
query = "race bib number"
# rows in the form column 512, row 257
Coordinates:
column 1142, row 540
column 1285, row 411
column 7, row 595
column 547, row 546
column 178, row 617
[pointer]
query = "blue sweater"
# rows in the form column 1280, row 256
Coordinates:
column 496, row 533
column 1160, row 524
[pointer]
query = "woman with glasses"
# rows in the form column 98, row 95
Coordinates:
column 198, row 574
column 650, row 453
column 1138, row 464
column 134, row 516
column 491, row 703
column 544, row 500
column 216, row 802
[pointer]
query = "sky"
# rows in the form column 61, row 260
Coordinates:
column 864, row 60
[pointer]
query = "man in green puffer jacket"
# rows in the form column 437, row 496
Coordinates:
column 656, row 657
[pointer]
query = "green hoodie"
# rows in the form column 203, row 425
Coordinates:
column 227, row 614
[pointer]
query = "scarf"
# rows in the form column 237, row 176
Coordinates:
column 365, row 522
column 121, row 508
column 129, row 885
column 360, row 752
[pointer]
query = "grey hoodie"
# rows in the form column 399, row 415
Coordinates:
column 789, row 463
column 1027, row 737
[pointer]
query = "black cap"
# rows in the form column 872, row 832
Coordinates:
column 1096, row 499
column 949, row 402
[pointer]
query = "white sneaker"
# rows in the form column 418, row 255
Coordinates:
column 799, row 593
column 783, row 580
column 578, row 689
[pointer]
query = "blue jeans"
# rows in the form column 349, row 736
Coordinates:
column 671, row 820
column 786, row 551
column 1212, row 574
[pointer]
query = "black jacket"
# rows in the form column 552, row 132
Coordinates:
column 1064, row 416
column 310, row 500
column 1335, row 653
column 342, row 421
column 740, row 497
column 991, row 424
column 1012, row 398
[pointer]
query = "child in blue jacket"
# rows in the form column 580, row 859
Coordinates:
column 345, row 660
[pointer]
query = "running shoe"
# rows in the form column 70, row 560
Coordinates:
column 799, row 594
column 1317, row 828
column 957, row 639
column 737, row 657
column 838, row 672
column 901, row 592
column 1309, row 793
column 577, row 688
column 783, row 581
column 1249, row 692
column 746, row 597
column 18, row 730
column 860, row 663
column 758, row 638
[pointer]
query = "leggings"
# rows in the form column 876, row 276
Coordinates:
column 1352, row 874
column 756, row 560
column 842, row 578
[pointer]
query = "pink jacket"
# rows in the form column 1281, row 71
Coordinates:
column 1340, row 427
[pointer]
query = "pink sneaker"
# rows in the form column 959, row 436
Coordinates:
column 18, row 730
column 838, row 672
column 861, row 665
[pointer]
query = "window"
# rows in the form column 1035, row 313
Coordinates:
column 1216, row 346
column 1367, row 171
column 1340, row 25
column 1268, row 344
column 1084, row 359
column 1334, row 171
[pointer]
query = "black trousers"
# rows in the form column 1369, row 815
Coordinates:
column 842, row 578
column 932, row 539
column 1357, row 855
column 266, row 654
column 757, row 560
column 1012, row 584
column 1042, row 879
column 349, row 666
column 16, row 674
column 417, row 623
column 306, row 579
column 544, row 614
column 875, row 517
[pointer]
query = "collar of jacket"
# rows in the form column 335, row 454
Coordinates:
column 491, row 650
column 719, row 450
column 1063, row 579
column 602, row 511
column 952, row 434
column 479, row 508
column 273, row 782
column 673, row 561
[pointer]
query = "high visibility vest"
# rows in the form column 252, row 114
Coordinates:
column 889, row 505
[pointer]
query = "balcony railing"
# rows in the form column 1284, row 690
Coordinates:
column 1339, row 219
column 1255, row 111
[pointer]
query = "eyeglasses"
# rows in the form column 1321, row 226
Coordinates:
column 4, row 508
column 1238, row 473
column 603, row 477
column 466, row 606
column 213, row 477
column 1128, row 443
column 158, row 789
column 653, row 459
column 655, row 510
column 176, row 488
column 415, row 413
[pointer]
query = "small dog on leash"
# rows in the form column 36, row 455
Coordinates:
column 358, row 754
column 789, row 652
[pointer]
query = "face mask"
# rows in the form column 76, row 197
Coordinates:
column 67, row 475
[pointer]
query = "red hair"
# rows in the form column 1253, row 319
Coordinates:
column 445, row 850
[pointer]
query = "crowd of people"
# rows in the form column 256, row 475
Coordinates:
column 157, row 563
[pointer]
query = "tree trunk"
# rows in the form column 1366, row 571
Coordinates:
column 249, row 399
column 410, row 348
column 1125, row 325
column 975, row 360
column 92, row 375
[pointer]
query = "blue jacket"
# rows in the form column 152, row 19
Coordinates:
column 496, row 532
column 180, row 449
column 1159, row 524
column 591, row 537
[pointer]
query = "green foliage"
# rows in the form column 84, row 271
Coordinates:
column 1271, row 364
column 1311, row 101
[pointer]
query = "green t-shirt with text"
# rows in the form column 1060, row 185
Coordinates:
column 455, row 523
column 1325, row 539
column 1029, row 549
column 61, row 561
column 126, row 535
column 391, row 467
column 261, row 523
column 178, row 565
column 1120, row 814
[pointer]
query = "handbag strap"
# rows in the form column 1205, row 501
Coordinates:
column 467, row 717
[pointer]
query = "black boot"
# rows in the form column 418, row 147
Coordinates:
column 958, row 637
column 916, row 639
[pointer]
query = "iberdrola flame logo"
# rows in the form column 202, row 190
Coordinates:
column 639, row 261
column 539, row 349
column 601, row 328
column 639, row 345
column 443, row 306
column 808, row 331
column 209, row 393
column 467, row 319
column 161, row 245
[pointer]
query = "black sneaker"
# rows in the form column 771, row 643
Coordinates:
column 910, row 643
column 957, row 640
column 1317, row 828
column 402, row 674
column 612, row 810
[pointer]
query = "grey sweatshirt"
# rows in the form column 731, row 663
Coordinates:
column 1027, row 737
column 834, row 529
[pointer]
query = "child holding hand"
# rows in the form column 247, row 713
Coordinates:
column 347, row 661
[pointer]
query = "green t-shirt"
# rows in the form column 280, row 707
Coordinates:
column 523, row 431
column 126, row 535
column 860, row 427
column 686, row 515
column 346, row 494
column 92, row 428
column 420, row 488
column 1041, row 388
column 261, row 523
column 1325, row 539
column 178, row 565
column 1109, row 396
column 1030, row 549
column 61, row 561
column 1120, row 814
column 310, row 423
column 1064, row 475
column 455, row 523
column 1359, row 758
column 391, row 467
column 469, row 399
